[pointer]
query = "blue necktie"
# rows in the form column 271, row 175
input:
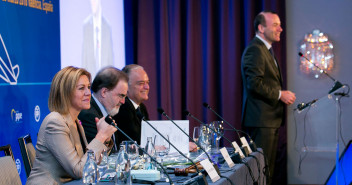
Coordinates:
column 139, row 113
column 272, row 54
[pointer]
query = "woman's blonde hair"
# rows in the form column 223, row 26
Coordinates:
column 62, row 88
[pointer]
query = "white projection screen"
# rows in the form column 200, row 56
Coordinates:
column 78, row 42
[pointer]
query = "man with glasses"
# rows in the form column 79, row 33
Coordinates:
column 109, row 89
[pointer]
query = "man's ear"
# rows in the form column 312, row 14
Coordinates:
column 103, row 92
column 261, row 28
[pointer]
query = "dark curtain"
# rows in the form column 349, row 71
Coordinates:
column 191, row 50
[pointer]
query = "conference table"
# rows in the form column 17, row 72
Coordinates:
column 249, row 171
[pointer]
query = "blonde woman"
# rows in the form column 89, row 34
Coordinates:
column 61, row 144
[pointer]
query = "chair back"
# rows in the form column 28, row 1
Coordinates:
column 28, row 152
column 7, row 151
column 9, row 174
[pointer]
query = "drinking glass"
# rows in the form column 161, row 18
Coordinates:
column 162, row 147
column 196, row 131
column 205, row 136
column 218, row 126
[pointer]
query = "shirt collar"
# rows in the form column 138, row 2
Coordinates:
column 264, row 41
column 101, row 107
column 135, row 105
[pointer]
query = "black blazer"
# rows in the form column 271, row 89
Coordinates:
column 261, row 84
column 128, row 121
column 87, row 118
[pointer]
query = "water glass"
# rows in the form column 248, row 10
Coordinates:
column 196, row 131
column 162, row 147
column 205, row 137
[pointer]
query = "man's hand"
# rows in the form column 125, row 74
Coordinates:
column 288, row 97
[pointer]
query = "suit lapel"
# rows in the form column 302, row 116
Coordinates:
column 74, row 135
column 96, row 107
column 130, row 106
column 270, row 59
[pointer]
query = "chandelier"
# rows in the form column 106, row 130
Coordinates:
column 318, row 49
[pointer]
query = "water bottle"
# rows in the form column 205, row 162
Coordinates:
column 123, row 167
column 149, row 147
column 90, row 170
column 103, row 166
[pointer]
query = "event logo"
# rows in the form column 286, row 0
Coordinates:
column 16, row 116
column 37, row 113
column 8, row 72
column 18, row 166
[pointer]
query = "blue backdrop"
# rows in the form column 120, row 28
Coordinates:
column 29, row 58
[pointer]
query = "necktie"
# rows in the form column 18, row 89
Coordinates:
column 139, row 113
column 272, row 54
column 97, row 48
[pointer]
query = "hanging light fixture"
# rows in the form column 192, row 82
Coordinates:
column 318, row 49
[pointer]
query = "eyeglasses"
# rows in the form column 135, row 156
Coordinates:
column 122, row 96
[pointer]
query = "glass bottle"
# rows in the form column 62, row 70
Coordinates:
column 90, row 170
column 103, row 165
column 123, row 167
column 149, row 147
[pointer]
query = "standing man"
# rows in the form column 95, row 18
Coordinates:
column 263, row 96
column 109, row 91
column 131, row 113
column 97, row 48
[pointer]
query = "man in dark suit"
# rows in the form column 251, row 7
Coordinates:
column 97, row 47
column 263, row 96
column 109, row 91
column 131, row 113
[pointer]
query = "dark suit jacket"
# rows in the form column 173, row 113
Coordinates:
column 87, row 118
column 129, row 122
column 261, row 84
column 88, row 58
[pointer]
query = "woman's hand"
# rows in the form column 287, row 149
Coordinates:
column 105, row 131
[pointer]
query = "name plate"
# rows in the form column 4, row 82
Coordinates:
column 238, row 149
column 227, row 157
column 209, row 168
column 245, row 143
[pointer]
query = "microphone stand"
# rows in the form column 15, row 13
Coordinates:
column 338, row 95
column 162, row 112
column 251, row 142
column 110, row 121
column 198, row 171
column 337, row 84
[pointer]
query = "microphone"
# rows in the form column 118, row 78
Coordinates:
column 198, row 171
column 302, row 106
column 337, row 84
column 236, row 158
column 251, row 142
column 111, row 122
column 162, row 112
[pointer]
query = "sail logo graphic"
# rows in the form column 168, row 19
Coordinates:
column 16, row 116
column 8, row 72
column 18, row 166
column 37, row 113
